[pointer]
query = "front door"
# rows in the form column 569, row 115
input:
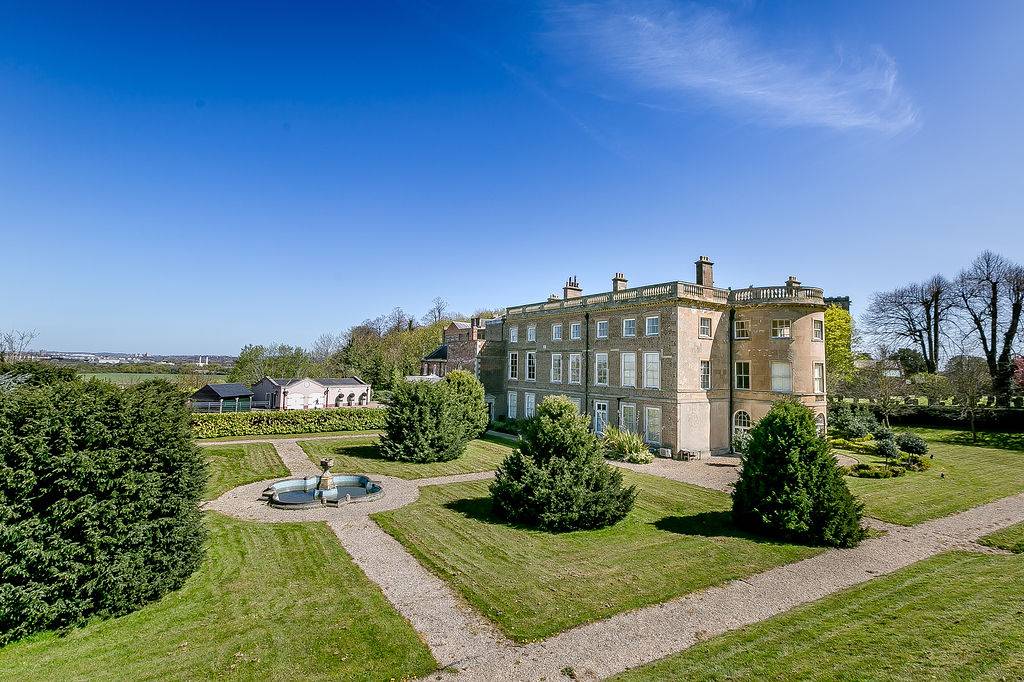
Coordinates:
column 600, row 416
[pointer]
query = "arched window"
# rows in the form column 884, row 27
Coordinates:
column 819, row 421
column 740, row 422
column 351, row 399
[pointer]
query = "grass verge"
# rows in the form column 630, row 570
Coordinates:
column 271, row 601
column 956, row 616
column 1010, row 539
column 235, row 465
column 362, row 456
column 679, row 538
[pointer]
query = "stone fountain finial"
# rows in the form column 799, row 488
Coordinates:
column 326, row 477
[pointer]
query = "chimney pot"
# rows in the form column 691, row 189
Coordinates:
column 619, row 282
column 792, row 282
column 572, row 288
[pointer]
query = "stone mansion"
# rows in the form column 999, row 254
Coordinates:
column 684, row 364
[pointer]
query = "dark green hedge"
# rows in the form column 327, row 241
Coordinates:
column 941, row 416
column 99, row 494
column 290, row 421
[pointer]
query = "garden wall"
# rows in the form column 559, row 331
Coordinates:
column 294, row 421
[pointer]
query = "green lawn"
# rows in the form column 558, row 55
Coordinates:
column 1011, row 539
column 272, row 601
column 956, row 616
column 361, row 456
column 280, row 436
column 126, row 378
column 972, row 475
column 679, row 538
column 235, row 465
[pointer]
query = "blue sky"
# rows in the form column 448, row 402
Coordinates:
column 189, row 178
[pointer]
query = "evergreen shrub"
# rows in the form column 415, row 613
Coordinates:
column 912, row 443
column 269, row 423
column 625, row 446
column 423, row 424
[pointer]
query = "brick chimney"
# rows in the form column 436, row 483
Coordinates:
column 619, row 282
column 572, row 288
column 793, row 282
column 705, row 272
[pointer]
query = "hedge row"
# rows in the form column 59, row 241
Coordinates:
column 293, row 421
column 940, row 416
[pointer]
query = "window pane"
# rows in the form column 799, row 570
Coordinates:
column 601, row 369
column 602, row 329
column 627, row 421
column 653, row 326
column 531, row 366
column 629, row 327
column 652, row 370
column 628, row 369
column 556, row 332
column 782, row 377
column 652, row 425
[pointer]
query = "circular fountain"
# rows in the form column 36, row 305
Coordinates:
column 327, row 489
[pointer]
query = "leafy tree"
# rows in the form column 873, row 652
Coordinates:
column 838, row 348
column 934, row 387
column 969, row 381
column 99, row 493
column 557, row 479
column 277, row 360
column 790, row 486
column 468, row 396
column 423, row 424
column 910, row 361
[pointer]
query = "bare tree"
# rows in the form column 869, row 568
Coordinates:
column 970, row 382
column 990, row 299
column 917, row 314
column 882, row 383
column 325, row 346
column 436, row 312
column 15, row 344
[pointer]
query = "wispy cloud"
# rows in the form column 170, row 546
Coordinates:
column 665, row 52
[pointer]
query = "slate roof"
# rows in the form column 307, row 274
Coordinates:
column 224, row 391
column 344, row 381
column 461, row 325
column 440, row 353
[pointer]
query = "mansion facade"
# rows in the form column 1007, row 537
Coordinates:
column 687, row 365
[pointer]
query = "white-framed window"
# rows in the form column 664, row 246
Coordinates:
column 819, row 422
column 531, row 333
column 629, row 327
column 652, row 370
column 600, row 369
column 819, row 377
column 556, row 331
column 602, row 329
column 741, row 329
column 574, row 331
column 513, row 334
column 600, row 416
column 740, row 423
column 819, row 330
column 513, row 404
column 513, row 365
column 704, row 328
column 705, row 375
column 781, row 329
column 575, row 368
column 577, row 402
column 529, row 403
column 627, row 370
column 782, row 377
column 652, row 425
column 531, row 365
column 652, row 325
column 627, row 417
column 556, row 368
column 743, row 375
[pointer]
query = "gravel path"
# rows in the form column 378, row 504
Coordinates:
column 456, row 634
column 638, row 637
column 717, row 473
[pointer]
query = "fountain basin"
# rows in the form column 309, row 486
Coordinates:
column 302, row 493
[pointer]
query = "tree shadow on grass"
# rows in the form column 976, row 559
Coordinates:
column 986, row 439
column 365, row 451
column 711, row 524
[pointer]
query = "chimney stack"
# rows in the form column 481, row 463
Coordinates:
column 554, row 297
column 705, row 272
column 619, row 282
column 793, row 282
column 572, row 288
